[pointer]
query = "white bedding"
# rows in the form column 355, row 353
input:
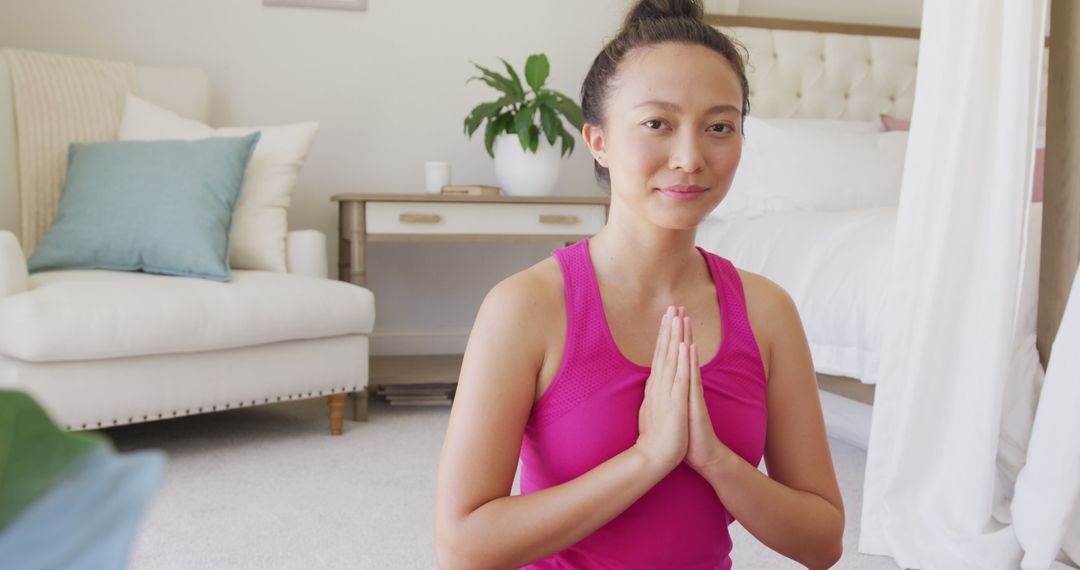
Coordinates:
column 835, row 266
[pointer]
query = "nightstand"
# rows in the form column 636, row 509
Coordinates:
column 368, row 218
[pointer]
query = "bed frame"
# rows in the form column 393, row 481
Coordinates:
column 828, row 70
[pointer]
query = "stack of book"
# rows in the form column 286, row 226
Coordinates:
column 471, row 190
column 436, row 394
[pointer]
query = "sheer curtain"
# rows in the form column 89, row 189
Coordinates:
column 938, row 487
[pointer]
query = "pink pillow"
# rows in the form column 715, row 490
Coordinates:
column 895, row 124
column 1040, row 163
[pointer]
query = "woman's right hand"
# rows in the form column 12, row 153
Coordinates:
column 663, row 432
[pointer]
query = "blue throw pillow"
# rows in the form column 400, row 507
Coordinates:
column 155, row 206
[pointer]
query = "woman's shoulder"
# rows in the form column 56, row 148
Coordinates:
column 765, row 301
column 528, row 308
column 538, row 284
column 530, row 296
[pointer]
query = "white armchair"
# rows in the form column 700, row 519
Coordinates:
column 13, row 272
column 101, row 348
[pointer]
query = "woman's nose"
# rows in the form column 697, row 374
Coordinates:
column 686, row 153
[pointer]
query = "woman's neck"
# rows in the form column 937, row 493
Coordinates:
column 652, row 261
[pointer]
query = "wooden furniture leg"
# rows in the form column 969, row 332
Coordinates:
column 1061, row 200
column 337, row 413
column 360, row 405
column 352, row 265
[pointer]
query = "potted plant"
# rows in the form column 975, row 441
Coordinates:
column 529, row 165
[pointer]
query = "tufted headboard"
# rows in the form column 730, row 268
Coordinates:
column 830, row 71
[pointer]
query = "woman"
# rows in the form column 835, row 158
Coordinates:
column 639, row 447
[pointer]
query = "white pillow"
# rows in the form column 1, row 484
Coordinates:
column 874, row 126
column 260, row 223
column 804, row 164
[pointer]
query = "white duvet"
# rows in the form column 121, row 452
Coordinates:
column 835, row 266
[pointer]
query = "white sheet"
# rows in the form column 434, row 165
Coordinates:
column 835, row 265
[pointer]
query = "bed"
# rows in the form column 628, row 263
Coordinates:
column 823, row 87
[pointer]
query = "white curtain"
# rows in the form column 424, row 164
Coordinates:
column 1046, row 504
column 960, row 378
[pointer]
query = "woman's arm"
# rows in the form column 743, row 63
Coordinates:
column 477, row 523
column 796, row 509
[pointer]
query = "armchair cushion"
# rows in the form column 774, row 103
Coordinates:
column 258, row 234
column 88, row 314
column 159, row 207
column 306, row 253
column 13, row 272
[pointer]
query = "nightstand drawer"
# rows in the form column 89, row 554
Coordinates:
column 431, row 218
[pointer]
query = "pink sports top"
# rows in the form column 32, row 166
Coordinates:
column 589, row 414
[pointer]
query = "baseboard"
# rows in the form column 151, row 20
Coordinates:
column 419, row 341
column 846, row 419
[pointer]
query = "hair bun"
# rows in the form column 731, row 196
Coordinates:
column 661, row 9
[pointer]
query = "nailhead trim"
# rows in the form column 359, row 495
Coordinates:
column 201, row 409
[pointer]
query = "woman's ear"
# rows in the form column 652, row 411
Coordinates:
column 594, row 138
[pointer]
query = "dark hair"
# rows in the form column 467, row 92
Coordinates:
column 647, row 23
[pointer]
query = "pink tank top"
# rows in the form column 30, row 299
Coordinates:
column 589, row 414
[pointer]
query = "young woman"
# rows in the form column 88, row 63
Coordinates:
column 640, row 446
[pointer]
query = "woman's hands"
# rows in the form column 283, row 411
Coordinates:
column 674, row 423
column 704, row 448
column 663, row 433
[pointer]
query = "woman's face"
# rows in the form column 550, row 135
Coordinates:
column 672, row 132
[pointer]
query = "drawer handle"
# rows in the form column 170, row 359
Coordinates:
column 420, row 218
column 554, row 219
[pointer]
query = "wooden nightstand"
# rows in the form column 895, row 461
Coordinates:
column 366, row 218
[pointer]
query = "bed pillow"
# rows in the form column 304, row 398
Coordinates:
column 804, row 165
column 829, row 125
column 894, row 124
column 160, row 207
column 260, row 222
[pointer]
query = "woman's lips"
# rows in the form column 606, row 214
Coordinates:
column 683, row 192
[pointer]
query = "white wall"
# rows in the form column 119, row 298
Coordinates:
column 387, row 86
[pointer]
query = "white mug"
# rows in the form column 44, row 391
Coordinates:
column 437, row 175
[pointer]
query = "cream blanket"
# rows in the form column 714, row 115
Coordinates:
column 59, row 100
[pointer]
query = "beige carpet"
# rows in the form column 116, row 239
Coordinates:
column 266, row 487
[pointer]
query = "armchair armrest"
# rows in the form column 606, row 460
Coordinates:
column 14, row 276
column 305, row 253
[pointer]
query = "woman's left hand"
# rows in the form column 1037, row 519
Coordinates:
column 705, row 450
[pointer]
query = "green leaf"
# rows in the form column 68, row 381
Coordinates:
column 548, row 98
column 472, row 122
column 495, row 80
column 485, row 111
column 489, row 136
column 523, row 122
column 492, row 108
column 515, row 79
column 567, row 141
column 570, row 110
column 493, row 84
column 536, row 71
column 496, row 127
column 35, row 455
column 534, row 138
column 550, row 122
column 505, row 123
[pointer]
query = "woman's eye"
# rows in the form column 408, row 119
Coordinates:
column 724, row 128
column 657, row 122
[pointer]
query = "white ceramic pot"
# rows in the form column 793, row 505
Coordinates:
column 522, row 173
